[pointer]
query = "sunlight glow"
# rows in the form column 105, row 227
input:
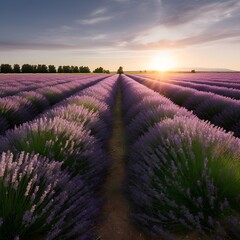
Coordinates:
column 162, row 62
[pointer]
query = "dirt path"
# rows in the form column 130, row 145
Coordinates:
column 117, row 226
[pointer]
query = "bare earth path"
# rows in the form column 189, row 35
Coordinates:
column 117, row 226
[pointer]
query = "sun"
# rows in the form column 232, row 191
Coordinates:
column 162, row 62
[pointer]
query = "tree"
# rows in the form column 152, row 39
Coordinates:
column 193, row 71
column 106, row 71
column 83, row 69
column 42, row 68
column 27, row 68
column 75, row 69
column 16, row 68
column 51, row 69
column 120, row 70
column 66, row 69
column 34, row 68
column 60, row 69
column 6, row 68
column 99, row 70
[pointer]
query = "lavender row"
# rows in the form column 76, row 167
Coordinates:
column 215, row 83
column 182, row 173
column 219, row 110
column 24, row 106
column 223, row 91
column 55, row 193
column 227, row 78
column 13, row 84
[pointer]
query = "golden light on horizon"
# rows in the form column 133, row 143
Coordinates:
column 162, row 62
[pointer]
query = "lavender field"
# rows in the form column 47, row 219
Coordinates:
column 179, row 155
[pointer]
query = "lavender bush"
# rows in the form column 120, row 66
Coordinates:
column 189, row 181
column 25, row 106
column 59, row 140
column 37, row 197
column 37, row 99
column 223, row 91
column 83, row 117
column 91, row 103
column 182, row 173
column 73, row 135
column 198, row 102
column 146, row 119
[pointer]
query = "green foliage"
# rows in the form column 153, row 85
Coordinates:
column 101, row 70
column 84, row 69
column 52, row 69
column 6, row 68
column 16, row 68
column 120, row 70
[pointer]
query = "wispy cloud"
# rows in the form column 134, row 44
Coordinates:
column 17, row 45
column 99, row 11
column 186, row 42
column 186, row 11
column 94, row 20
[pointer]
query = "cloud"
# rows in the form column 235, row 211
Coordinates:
column 188, row 41
column 99, row 11
column 84, row 43
column 94, row 20
column 11, row 45
column 183, row 12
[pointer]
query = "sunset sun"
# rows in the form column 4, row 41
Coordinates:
column 162, row 62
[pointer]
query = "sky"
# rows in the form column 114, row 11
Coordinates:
column 135, row 34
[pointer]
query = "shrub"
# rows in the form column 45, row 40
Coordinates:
column 182, row 178
column 37, row 197
column 59, row 140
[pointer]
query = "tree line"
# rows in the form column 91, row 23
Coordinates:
column 43, row 68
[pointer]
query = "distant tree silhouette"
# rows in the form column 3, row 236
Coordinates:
column 120, row 70
column 16, row 68
column 60, row 69
column 6, row 68
column 66, row 69
column 193, row 71
column 106, row 71
column 75, row 69
column 51, row 69
column 83, row 69
column 27, row 68
column 34, row 68
column 99, row 70
column 42, row 68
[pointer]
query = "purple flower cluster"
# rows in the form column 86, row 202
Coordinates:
column 37, row 196
column 223, row 111
column 21, row 106
column 71, row 136
column 228, row 89
column 217, row 79
column 182, row 173
column 223, row 91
